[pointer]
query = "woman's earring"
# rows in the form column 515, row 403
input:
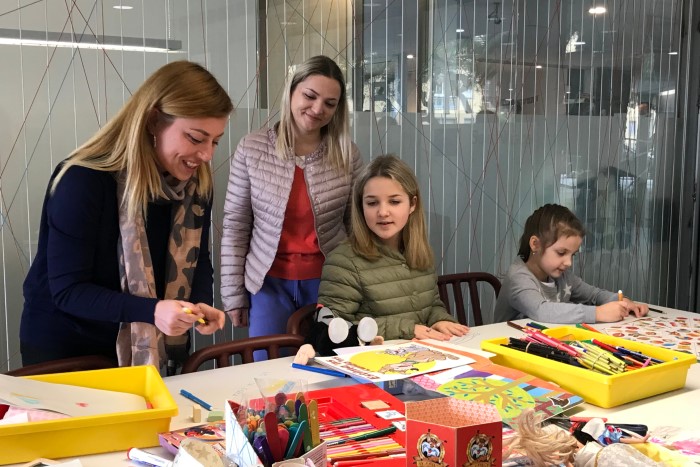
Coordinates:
column 155, row 142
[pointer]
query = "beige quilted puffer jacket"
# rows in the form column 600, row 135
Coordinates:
column 256, row 200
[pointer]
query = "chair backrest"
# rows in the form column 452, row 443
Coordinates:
column 65, row 365
column 223, row 352
column 301, row 321
column 455, row 281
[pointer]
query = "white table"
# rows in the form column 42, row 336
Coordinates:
column 680, row 408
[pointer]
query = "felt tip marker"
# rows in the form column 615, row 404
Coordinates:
column 136, row 454
column 315, row 369
column 194, row 398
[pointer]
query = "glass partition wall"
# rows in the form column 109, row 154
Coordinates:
column 499, row 106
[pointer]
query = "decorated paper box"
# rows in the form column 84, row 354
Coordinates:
column 448, row 432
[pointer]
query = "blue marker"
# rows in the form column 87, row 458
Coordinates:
column 315, row 369
column 194, row 398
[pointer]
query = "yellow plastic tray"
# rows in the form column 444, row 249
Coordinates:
column 596, row 388
column 78, row 436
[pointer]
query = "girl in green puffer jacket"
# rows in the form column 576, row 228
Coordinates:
column 386, row 269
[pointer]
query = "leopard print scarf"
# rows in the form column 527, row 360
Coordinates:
column 142, row 343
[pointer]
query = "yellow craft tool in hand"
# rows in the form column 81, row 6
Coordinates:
column 189, row 312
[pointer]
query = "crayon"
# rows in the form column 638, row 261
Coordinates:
column 189, row 312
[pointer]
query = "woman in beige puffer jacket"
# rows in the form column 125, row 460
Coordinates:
column 288, row 201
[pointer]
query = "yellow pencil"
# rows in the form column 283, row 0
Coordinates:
column 189, row 312
column 620, row 295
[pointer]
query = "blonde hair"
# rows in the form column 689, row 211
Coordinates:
column 179, row 89
column 414, row 237
column 336, row 133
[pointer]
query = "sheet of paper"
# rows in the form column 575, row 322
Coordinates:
column 390, row 362
column 75, row 401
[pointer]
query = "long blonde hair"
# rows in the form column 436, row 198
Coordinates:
column 179, row 89
column 416, row 248
column 336, row 133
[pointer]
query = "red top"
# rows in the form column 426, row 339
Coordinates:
column 298, row 254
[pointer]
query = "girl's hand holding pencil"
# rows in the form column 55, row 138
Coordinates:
column 612, row 311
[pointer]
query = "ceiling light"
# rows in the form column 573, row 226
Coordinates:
column 579, row 43
column 538, row 66
column 86, row 41
column 597, row 10
column 460, row 30
column 673, row 53
column 409, row 56
column 123, row 7
column 667, row 93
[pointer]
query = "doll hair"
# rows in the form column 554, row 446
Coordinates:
column 548, row 223
column 544, row 446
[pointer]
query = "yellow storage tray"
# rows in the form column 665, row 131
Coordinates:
column 597, row 388
column 78, row 436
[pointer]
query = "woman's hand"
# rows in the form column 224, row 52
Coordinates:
column 214, row 318
column 424, row 332
column 611, row 312
column 173, row 319
column 639, row 309
column 450, row 328
column 239, row 317
column 170, row 317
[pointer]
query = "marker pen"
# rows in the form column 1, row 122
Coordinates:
column 138, row 455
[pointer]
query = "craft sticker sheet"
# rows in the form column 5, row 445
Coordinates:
column 510, row 393
column 390, row 362
column 673, row 333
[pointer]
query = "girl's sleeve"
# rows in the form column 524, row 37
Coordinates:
column 74, row 213
column 582, row 292
column 527, row 299
column 236, row 233
column 203, row 280
column 341, row 291
column 340, row 288
column 438, row 312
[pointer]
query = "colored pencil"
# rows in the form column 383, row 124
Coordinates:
column 373, row 434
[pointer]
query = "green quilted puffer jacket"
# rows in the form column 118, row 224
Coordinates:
column 387, row 290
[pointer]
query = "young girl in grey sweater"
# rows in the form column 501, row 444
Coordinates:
column 540, row 284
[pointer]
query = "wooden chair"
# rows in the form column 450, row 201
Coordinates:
column 455, row 281
column 223, row 352
column 64, row 365
column 301, row 320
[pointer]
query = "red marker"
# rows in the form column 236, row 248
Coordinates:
column 545, row 339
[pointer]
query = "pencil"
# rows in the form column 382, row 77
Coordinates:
column 620, row 295
column 590, row 328
column 373, row 434
column 657, row 310
column 189, row 312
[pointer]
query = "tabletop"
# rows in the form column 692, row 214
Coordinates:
column 677, row 408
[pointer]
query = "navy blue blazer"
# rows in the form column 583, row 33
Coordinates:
column 73, row 302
